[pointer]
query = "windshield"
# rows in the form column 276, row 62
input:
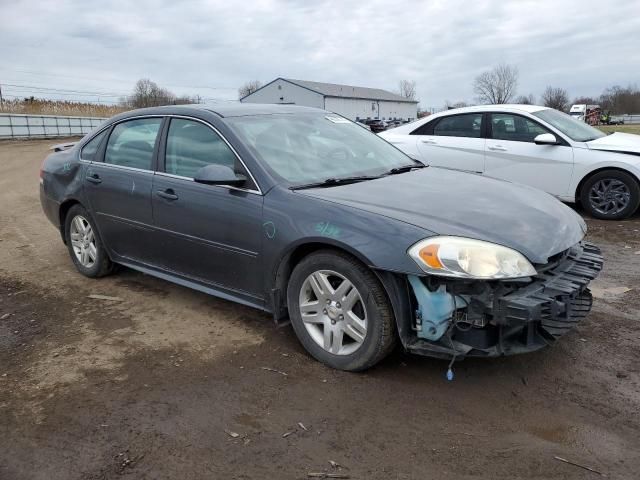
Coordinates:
column 309, row 148
column 574, row 129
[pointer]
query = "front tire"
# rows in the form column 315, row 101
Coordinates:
column 610, row 195
column 340, row 311
column 83, row 242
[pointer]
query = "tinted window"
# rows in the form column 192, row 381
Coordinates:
column 468, row 125
column 515, row 128
column 89, row 151
column 131, row 143
column 192, row 145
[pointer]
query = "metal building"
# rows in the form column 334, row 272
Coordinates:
column 354, row 103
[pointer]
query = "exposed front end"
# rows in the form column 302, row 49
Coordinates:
column 480, row 318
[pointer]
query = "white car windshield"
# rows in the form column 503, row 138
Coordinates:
column 309, row 148
column 574, row 129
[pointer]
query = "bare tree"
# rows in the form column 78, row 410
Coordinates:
column 248, row 88
column 407, row 89
column 526, row 99
column 147, row 93
column 585, row 101
column 555, row 98
column 621, row 100
column 497, row 85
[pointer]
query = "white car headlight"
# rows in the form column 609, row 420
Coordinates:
column 468, row 258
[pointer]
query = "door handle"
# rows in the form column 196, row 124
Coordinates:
column 167, row 194
column 498, row 148
column 94, row 178
column 430, row 142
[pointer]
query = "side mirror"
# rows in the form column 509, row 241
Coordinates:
column 218, row 175
column 546, row 139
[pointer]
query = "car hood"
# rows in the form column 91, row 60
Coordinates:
column 446, row 202
column 617, row 142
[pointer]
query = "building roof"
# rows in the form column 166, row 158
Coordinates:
column 344, row 91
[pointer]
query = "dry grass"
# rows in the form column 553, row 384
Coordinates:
column 621, row 128
column 60, row 107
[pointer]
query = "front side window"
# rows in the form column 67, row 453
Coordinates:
column 505, row 126
column 192, row 145
column 90, row 149
column 308, row 148
column 466, row 125
column 131, row 143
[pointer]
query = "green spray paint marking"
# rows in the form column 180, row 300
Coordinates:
column 66, row 167
column 327, row 230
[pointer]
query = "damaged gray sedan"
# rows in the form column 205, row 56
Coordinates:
column 304, row 214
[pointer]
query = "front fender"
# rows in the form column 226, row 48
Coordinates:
column 291, row 221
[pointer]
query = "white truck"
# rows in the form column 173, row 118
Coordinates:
column 587, row 113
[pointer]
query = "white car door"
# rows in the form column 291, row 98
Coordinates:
column 511, row 154
column 454, row 142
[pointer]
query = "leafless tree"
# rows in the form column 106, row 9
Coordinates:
column 248, row 88
column 147, row 93
column 555, row 98
column 407, row 89
column 526, row 99
column 585, row 101
column 497, row 85
column 619, row 100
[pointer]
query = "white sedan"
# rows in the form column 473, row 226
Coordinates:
column 533, row 145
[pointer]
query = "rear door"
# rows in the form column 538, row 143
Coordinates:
column 118, row 185
column 511, row 154
column 209, row 233
column 454, row 141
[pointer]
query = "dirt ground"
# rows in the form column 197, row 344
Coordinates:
column 170, row 383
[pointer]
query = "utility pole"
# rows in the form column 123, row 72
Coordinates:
column 0, row 95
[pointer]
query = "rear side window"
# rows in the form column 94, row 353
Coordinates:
column 505, row 126
column 466, row 125
column 131, row 143
column 192, row 145
column 89, row 151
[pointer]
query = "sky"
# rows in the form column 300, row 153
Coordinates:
column 96, row 50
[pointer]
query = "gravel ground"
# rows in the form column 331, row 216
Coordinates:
column 165, row 382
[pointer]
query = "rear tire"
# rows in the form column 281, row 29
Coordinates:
column 84, row 244
column 610, row 195
column 348, row 320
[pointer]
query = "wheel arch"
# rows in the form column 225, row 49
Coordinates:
column 584, row 179
column 63, row 210
column 280, row 277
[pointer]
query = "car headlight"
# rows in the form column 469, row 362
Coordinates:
column 468, row 258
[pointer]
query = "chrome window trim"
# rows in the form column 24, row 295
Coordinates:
column 122, row 167
column 257, row 192
column 164, row 174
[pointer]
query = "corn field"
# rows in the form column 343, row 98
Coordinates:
column 59, row 107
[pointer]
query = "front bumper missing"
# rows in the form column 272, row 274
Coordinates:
column 511, row 317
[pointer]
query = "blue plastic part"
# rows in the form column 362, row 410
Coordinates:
column 450, row 374
column 435, row 309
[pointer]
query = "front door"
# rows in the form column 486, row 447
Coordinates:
column 511, row 154
column 209, row 233
column 454, row 142
column 118, row 187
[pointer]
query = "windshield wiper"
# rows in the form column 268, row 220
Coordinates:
column 332, row 182
column 405, row 168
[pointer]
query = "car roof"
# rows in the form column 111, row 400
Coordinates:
column 227, row 109
column 495, row 108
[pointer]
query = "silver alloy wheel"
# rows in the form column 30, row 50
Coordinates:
column 83, row 241
column 333, row 312
column 609, row 196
